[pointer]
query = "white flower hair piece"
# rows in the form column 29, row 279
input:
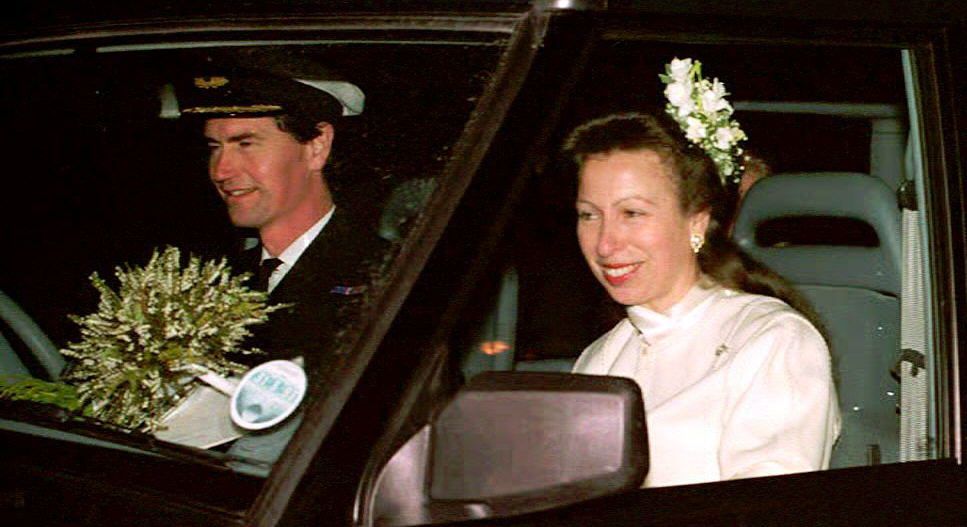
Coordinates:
column 699, row 107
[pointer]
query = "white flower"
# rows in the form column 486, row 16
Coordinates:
column 724, row 138
column 696, row 129
column 713, row 99
column 679, row 94
column 738, row 134
column 685, row 110
column 679, row 70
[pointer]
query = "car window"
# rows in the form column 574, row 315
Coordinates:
column 539, row 306
column 800, row 123
column 109, row 171
column 458, row 174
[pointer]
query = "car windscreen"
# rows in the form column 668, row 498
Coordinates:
column 107, row 171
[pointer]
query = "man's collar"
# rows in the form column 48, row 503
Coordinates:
column 295, row 249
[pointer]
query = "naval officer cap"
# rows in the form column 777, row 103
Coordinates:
column 256, row 94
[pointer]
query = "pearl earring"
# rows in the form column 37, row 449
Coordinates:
column 696, row 241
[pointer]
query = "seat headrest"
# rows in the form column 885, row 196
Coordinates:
column 846, row 195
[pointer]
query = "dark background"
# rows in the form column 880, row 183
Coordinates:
column 96, row 179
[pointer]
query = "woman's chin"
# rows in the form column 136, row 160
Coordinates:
column 624, row 297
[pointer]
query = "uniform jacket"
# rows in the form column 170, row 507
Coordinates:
column 326, row 287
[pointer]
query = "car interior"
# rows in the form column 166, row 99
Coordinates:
column 831, row 219
column 834, row 233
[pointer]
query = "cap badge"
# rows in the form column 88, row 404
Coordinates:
column 207, row 83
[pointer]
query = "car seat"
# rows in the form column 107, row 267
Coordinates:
column 854, row 288
column 18, row 324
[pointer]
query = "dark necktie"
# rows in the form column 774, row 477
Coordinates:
column 265, row 271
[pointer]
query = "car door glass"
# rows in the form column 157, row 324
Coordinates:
column 810, row 112
column 109, row 169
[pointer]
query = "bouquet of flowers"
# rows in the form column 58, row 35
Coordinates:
column 700, row 108
column 144, row 346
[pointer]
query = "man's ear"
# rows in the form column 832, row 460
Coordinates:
column 321, row 145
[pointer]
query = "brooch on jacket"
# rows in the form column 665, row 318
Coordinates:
column 348, row 290
column 721, row 354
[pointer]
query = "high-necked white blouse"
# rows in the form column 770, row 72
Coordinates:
column 735, row 385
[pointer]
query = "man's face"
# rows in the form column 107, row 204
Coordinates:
column 267, row 179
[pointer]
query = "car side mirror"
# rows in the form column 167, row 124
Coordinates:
column 516, row 442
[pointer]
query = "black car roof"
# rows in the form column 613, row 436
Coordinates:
column 22, row 15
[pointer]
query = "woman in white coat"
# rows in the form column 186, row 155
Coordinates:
column 736, row 379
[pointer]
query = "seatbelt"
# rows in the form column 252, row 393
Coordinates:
column 912, row 363
column 914, row 389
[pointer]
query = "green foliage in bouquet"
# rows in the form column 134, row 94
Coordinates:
column 22, row 388
column 141, row 351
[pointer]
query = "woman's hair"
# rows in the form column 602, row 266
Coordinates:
column 699, row 188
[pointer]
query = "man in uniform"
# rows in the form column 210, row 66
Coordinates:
column 270, row 138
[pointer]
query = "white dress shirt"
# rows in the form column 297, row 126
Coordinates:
column 295, row 249
column 735, row 385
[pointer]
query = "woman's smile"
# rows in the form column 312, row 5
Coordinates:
column 617, row 274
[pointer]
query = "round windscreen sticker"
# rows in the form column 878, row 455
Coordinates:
column 268, row 394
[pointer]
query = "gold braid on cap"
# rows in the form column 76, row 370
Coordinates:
column 255, row 108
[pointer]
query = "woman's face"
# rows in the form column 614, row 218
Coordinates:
column 632, row 231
